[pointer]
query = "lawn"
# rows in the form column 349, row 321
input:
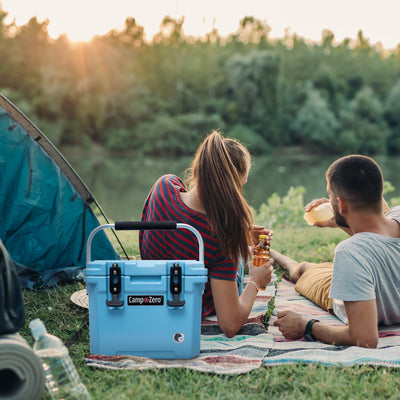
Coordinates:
column 292, row 237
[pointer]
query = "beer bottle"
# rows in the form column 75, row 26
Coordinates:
column 261, row 253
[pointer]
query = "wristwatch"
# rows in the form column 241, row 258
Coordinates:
column 308, row 331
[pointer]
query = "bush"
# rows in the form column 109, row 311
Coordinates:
column 254, row 142
column 175, row 135
column 287, row 210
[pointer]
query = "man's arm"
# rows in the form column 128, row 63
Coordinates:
column 362, row 329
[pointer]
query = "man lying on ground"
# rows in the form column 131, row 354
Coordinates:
column 362, row 285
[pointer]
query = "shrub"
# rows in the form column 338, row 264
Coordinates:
column 287, row 210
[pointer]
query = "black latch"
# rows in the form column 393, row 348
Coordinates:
column 115, row 286
column 175, row 286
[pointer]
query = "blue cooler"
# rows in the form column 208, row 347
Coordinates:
column 146, row 308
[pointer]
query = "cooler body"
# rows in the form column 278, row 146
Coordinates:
column 146, row 308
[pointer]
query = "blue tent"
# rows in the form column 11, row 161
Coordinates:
column 46, row 210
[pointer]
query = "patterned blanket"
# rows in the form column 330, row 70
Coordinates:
column 253, row 346
column 218, row 354
column 300, row 351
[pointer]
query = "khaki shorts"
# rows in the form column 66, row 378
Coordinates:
column 315, row 284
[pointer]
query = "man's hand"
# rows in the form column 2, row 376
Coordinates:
column 330, row 223
column 291, row 324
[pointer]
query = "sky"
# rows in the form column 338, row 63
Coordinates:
column 82, row 19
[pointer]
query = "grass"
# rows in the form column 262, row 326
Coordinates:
column 70, row 323
column 64, row 319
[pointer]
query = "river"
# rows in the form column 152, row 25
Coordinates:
column 121, row 184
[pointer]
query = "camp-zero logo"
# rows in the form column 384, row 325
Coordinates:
column 149, row 300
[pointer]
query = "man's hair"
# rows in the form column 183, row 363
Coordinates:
column 217, row 170
column 357, row 179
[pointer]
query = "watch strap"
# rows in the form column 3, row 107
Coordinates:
column 308, row 331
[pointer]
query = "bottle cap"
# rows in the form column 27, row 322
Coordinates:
column 37, row 328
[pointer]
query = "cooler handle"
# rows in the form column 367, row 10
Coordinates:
column 145, row 225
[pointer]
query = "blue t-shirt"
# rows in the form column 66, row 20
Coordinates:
column 165, row 204
column 366, row 267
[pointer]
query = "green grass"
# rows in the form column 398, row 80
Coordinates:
column 65, row 320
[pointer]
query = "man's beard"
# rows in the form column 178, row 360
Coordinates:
column 340, row 220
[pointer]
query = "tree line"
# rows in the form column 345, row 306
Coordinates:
column 158, row 97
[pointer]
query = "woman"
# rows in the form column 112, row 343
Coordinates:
column 215, row 206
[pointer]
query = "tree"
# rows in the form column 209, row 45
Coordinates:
column 392, row 109
column 132, row 35
column 252, row 31
column 365, row 129
column 171, row 31
column 255, row 82
column 315, row 123
column 33, row 42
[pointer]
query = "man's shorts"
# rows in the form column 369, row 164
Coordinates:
column 315, row 284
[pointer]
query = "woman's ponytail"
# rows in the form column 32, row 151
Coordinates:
column 218, row 170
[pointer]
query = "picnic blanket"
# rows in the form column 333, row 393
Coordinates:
column 300, row 351
column 218, row 354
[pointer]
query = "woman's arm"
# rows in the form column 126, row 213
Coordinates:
column 232, row 310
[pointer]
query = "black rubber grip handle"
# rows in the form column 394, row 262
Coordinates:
column 144, row 225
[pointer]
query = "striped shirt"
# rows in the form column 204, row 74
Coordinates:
column 164, row 204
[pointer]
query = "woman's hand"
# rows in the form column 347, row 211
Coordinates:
column 261, row 275
column 260, row 230
column 232, row 311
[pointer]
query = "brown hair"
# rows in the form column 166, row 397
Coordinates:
column 358, row 179
column 216, row 171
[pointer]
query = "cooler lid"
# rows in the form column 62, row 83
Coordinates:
column 145, row 267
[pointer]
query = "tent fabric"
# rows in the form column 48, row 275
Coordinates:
column 45, row 208
column 12, row 309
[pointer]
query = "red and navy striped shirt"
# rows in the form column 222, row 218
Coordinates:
column 164, row 204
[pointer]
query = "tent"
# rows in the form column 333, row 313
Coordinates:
column 46, row 211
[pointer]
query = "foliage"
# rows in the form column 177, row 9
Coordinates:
column 254, row 142
column 285, row 211
column 254, row 79
column 315, row 123
column 123, row 91
column 174, row 135
column 392, row 107
column 365, row 130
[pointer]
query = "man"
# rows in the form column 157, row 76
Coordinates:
column 365, row 274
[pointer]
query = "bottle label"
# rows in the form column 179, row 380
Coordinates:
column 150, row 300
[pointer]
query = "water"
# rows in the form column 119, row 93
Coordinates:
column 121, row 184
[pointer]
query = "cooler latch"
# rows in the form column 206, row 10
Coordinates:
column 115, row 286
column 175, row 286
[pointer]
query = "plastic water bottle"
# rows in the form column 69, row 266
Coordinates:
column 61, row 377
